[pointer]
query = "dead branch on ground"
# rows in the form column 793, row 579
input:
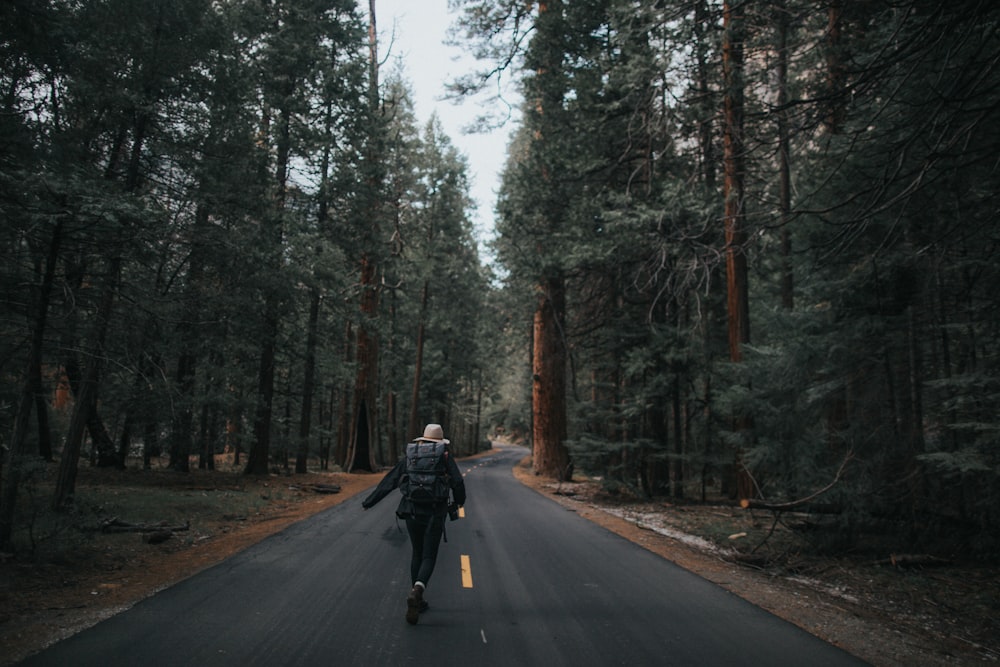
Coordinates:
column 778, row 508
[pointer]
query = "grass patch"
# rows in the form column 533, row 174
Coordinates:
column 206, row 501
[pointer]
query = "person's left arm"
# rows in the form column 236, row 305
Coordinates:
column 455, row 480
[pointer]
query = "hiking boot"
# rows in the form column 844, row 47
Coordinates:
column 413, row 603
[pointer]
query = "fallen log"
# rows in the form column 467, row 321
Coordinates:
column 157, row 537
column 326, row 488
column 317, row 488
column 914, row 560
column 116, row 525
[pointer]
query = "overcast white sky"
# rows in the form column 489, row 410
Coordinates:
column 420, row 27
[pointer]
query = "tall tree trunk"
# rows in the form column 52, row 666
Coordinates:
column 737, row 293
column 549, row 352
column 733, row 188
column 477, row 432
column 362, row 439
column 325, row 427
column 678, row 413
column 308, row 383
column 206, row 438
column 835, row 70
column 42, row 413
column 189, row 329
column 343, row 414
column 106, row 450
column 548, row 404
column 414, row 422
column 784, row 159
column 86, row 398
column 322, row 220
column 258, row 459
column 74, row 375
column 180, row 437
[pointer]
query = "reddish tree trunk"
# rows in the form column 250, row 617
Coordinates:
column 550, row 457
column 737, row 294
column 361, row 453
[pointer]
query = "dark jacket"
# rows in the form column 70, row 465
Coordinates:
column 406, row 506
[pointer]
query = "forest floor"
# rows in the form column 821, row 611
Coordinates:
column 887, row 615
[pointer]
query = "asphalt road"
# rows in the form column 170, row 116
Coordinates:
column 521, row 581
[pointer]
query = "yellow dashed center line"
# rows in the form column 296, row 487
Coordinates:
column 466, row 572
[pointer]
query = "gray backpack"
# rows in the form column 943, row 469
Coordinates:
column 426, row 478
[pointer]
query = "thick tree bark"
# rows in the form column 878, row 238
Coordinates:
column 550, row 456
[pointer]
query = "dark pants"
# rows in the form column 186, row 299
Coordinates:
column 425, row 537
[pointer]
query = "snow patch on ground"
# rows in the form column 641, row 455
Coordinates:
column 834, row 591
column 653, row 522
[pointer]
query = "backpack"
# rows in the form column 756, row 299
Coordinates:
column 426, row 479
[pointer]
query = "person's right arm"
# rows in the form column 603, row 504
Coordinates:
column 388, row 483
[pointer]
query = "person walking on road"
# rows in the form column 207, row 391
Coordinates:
column 425, row 476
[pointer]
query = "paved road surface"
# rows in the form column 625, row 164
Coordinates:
column 521, row 581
